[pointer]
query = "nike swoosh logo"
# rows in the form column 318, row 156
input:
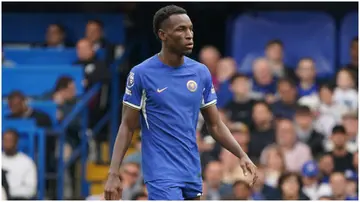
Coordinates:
column 161, row 90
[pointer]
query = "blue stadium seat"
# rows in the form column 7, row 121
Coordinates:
column 305, row 34
column 48, row 107
column 38, row 80
column 348, row 30
column 14, row 25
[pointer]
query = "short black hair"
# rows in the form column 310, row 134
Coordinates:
column 307, row 58
column 59, row 26
column 262, row 102
column 287, row 175
column 16, row 94
column 286, row 80
column 98, row 22
column 338, row 129
column 327, row 86
column 274, row 42
column 241, row 182
column 303, row 110
column 164, row 13
column 63, row 82
column 237, row 76
column 355, row 39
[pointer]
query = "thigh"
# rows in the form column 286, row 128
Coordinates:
column 193, row 190
column 164, row 190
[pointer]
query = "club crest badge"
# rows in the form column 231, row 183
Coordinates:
column 191, row 86
column 131, row 80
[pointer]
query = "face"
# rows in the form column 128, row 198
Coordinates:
column 339, row 140
column 275, row 160
column 17, row 105
column 84, row 50
column 262, row 72
column 225, row 69
column 9, row 143
column 241, row 191
column 291, row 186
column 177, row 34
column 356, row 160
column 344, row 80
column 131, row 173
column 351, row 126
column 306, row 70
column 326, row 164
column 285, row 133
column 54, row 36
column 213, row 175
column 287, row 93
column 351, row 188
column 338, row 184
column 240, row 86
column 274, row 52
column 241, row 137
column 70, row 91
column 304, row 121
column 261, row 114
column 354, row 50
column 325, row 95
column 93, row 32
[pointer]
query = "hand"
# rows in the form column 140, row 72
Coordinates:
column 248, row 167
column 113, row 187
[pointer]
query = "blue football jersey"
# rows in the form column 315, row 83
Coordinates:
column 169, row 100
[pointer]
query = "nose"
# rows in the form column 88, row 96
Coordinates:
column 189, row 34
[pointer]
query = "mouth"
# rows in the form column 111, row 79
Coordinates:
column 189, row 46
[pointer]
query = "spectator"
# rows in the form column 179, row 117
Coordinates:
column 341, row 157
column 141, row 196
column 274, row 52
column 55, row 37
column 225, row 70
column 353, row 66
column 20, row 110
column 350, row 123
column 344, row 93
column 216, row 189
column 95, row 34
column 20, row 169
column 290, row 188
column 136, row 156
column 240, row 191
column 285, row 107
column 310, row 173
column 262, row 191
column 305, row 131
column 264, row 84
column 356, row 162
column 351, row 184
column 307, row 77
column 262, row 132
column 130, row 173
column 338, row 187
column 239, row 109
column 295, row 152
column 326, row 167
column 274, row 165
column 210, row 57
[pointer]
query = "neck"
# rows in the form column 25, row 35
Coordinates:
column 339, row 197
column 306, row 84
column 291, row 197
column 265, row 126
column 340, row 151
column 169, row 58
column 240, row 98
column 11, row 153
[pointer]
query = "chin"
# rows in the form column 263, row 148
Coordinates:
column 187, row 52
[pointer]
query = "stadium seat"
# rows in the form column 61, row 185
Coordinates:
column 38, row 80
column 14, row 25
column 44, row 56
column 348, row 30
column 48, row 107
column 304, row 34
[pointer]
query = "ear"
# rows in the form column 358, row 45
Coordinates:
column 162, row 35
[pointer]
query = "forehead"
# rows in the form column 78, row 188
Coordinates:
column 178, row 20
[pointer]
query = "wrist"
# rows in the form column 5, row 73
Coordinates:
column 113, row 174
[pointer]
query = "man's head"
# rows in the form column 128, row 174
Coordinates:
column 310, row 172
column 326, row 164
column 354, row 50
column 287, row 91
column 274, row 50
column 303, row 117
column 213, row 174
column 240, row 85
column 350, row 122
column 339, row 137
column 66, row 87
column 17, row 103
column 210, row 56
column 262, row 71
column 344, row 79
column 285, row 133
column 262, row 114
column 94, row 30
column 55, row 35
column 306, row 70
column 225, row 69
column 241, row 190
column 290, row 184
column 130, row 173
column 326, row 93
column 10, row 140
column 241, row 133
column 338, row 184
column 84, row 49
column 174, row 28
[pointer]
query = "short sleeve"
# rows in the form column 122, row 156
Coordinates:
column 209, row 94
column 133, row 91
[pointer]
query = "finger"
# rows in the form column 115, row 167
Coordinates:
column 248, row 167
column 243, row 168
column 107, row 195
column 252, row 168
column 114, row 195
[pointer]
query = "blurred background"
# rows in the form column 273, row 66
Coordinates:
column 286, row 76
